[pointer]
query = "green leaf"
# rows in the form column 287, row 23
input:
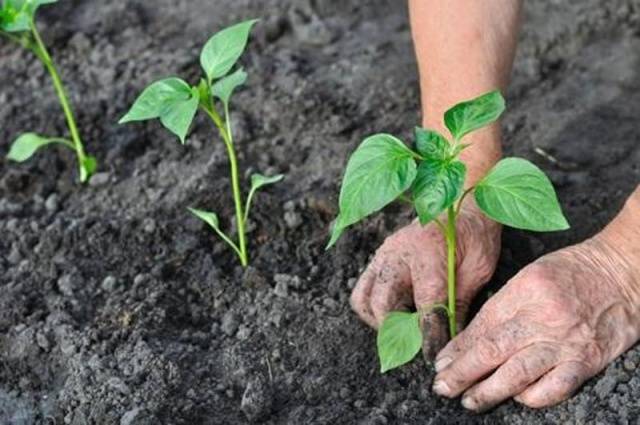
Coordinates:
column 471, row 115
column 431, row 144
column 399, row 339
column 171, row 100
column 379, row 171
column 223, row 88
column 436, row 187
column 17, row 15
column 88, row 166
column 518, row 194
column 258, row 180
column 208, row 217
column 222, row 50
column 27, row 144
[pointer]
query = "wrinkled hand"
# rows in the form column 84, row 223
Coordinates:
column 410, row 268
column 557, row 323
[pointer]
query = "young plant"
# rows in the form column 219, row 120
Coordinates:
column 175, row 103
column 515, row 192
column 17, row 24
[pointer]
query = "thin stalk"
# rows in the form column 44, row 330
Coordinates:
column 225, row 132
column 12, row 37
column 464, row 195
column 451, row 269
column 41, row 51
column 247, row 205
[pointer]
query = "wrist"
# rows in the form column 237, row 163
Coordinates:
column 622, row 237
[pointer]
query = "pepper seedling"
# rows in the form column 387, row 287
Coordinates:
column 17, row 24
column 175, row 103
column 514, row 192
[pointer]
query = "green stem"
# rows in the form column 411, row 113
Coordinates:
column 225, row 132
column 464, row 195
column 41, row 52
column 451, row 269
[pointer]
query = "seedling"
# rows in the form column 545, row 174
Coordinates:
column 17, row 24
column 175, row 103
column 382, row 169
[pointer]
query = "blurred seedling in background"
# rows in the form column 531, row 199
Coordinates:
column 175, row 103
column 383, row 169
column 17, row 24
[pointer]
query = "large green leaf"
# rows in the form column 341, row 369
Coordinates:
column 222, row 50
column 431, row 144
column 17, row 15
column 399, row 339
column 26, row 145
column 379, row 171
column 223, row 88
column 171, row 100
column 518, row 194
column 473, row 114
column 436, row 187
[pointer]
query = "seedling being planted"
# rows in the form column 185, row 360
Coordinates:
column 175, row 103
column 382, row 169
column 17, row 24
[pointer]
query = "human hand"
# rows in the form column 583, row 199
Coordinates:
column 557, row 323
column 410, row 268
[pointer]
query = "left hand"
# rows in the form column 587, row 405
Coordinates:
column 557, row 323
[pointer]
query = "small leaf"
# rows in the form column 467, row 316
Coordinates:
column 436, row 187
column 431, row 144
column 208, row 217
column 258, row 180
column 518, row 194
column 27, row 144
column 399, row 339
column 16, row 15
column 222, row 50
column 223, row 88
column 179, row 117
column 471, row 115
column 87, row 167
column 379, row 171
column 171, row 100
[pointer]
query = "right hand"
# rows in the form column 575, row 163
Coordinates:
column 410, row 268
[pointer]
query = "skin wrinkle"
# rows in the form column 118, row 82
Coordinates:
column 396, row 268
column 574, row 303
column 579, row 305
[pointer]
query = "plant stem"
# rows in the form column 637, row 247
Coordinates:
column 451, row 270
column 464, row 195
column 41, row 52
column 225, row 132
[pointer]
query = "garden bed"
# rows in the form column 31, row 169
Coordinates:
column 119, row 307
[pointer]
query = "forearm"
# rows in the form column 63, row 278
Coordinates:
column 464, row 48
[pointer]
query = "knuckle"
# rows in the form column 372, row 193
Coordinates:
column 519, row 370
column 488, row 350
column 536, row 272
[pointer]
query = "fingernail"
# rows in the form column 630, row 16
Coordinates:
column 441, row 387
column 469, row 403
column 442, row 363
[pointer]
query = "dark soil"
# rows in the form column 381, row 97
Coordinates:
column 117, row 307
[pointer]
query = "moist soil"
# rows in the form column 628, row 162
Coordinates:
column 118, row 307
